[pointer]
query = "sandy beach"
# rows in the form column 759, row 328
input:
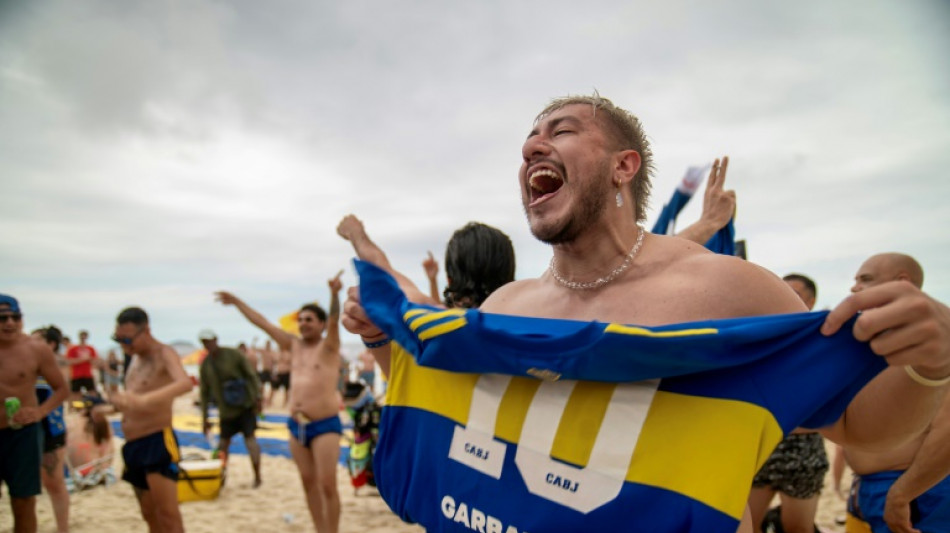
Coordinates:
column 277, row 506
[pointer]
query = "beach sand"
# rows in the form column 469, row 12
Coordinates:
column 831, row 505
column 277, row 506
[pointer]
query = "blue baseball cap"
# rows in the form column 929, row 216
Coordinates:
column 10, row 302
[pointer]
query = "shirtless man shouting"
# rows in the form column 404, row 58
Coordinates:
column 314, row 405
column 155, row 378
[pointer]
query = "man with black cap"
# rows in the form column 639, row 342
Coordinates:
column 21, row 444
column 227, row 379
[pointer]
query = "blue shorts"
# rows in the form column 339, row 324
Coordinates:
column 306, row 433
column 930, row 512
column 155, row 453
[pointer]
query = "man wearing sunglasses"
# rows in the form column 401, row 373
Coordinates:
column 23, row 360
column 151, row 454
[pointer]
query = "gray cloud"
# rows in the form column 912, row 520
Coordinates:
column 154, row 154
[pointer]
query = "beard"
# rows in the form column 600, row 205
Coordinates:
column 588, row 207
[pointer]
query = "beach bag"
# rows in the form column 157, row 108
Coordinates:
column 234, row 392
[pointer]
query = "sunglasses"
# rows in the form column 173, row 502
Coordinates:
column 13, row 317
column 125, row 340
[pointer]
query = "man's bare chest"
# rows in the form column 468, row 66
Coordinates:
column 314, row 361
column 146, row 374
column 18, row 369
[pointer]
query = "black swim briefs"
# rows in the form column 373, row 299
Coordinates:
column 155, row 453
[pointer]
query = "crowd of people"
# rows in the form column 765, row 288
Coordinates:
column 585, row 181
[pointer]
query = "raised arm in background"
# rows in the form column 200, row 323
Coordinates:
column 718, row 206
column 281, row 337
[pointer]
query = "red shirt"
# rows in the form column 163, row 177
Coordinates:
column 82, row 370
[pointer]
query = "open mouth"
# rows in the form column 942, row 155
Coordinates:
column 543, row 183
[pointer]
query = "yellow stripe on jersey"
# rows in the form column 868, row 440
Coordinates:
column 171, row 444
column 666, row 457
column 445, row 393
column 414, row 312
column 514, row 407
column 642, row 332
column 427, row 317
column 445, row 327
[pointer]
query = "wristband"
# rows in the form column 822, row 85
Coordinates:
column 376, row 344
column 925, row 381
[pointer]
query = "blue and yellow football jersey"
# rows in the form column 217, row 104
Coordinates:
column 505, row 424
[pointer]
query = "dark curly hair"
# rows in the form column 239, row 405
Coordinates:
column 478, row 260
column 315, row 309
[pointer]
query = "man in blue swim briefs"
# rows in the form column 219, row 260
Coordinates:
column 314, row 401
column 23, row 360
column 905, row 488
column 150, row 453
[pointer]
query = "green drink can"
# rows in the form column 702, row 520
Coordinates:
column 12, row 405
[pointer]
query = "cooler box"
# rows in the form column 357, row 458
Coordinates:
column 200, row 480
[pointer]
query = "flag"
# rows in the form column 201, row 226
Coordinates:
column 289, row 324
column 681, row 196
column 512, row 424
column 723, row 242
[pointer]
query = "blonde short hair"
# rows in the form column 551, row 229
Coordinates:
column 625, row 129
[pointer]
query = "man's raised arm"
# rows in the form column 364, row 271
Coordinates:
column 333, row 314
column 281, row 337
column 351, row 229
column 431, row 267
column 718, row 206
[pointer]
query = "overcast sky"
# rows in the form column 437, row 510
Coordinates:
column 154, row 152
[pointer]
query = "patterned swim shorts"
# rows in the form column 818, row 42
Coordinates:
column 797, row 467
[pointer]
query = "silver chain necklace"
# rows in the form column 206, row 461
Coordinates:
column 600, row 282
